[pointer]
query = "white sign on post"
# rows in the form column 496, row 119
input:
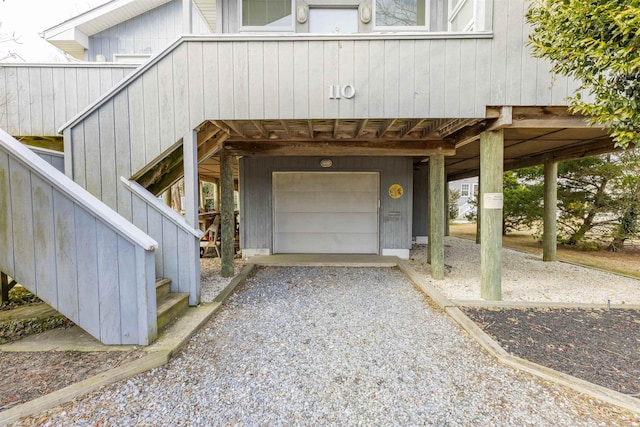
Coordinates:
column 492, row 201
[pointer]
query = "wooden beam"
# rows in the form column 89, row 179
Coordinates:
column 228, row 127
column 577, row 151
column 227, row 225
column 287, row 131
column 310, row 127
column 360, row 129
column 340, row 148
column 211, row 147
column 384, row 127
column 336, row 125
column 151, row 178
column 263, row 131
column 410, row 127
column 505, row 119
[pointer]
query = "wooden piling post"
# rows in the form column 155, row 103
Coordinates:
column 227, row 225
column 491, row 167
column 436, row 216
column 549, row 239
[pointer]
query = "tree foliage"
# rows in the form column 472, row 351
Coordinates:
column 454, row 196
column 522, row 202
column 596, row 42
column 601, row 191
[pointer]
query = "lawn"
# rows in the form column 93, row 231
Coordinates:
column 624, row 262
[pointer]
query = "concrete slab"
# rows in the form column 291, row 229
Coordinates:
column 70, row 339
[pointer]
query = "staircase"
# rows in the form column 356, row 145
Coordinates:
column 171, row 305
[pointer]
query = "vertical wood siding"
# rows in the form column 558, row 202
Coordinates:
column 36, row 100
column 178, row 244
column 66, row 254
column 256, row 214
column 146, row 34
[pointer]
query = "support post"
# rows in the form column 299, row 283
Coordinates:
column 436, row 220
column 491, row 166
column 4, row 288
column 446, row 207
column 478, row 211
column 549, row 239
column 429, row 240
column 227, row 225
column 191, row 200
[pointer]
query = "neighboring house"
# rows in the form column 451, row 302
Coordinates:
column 468, row 189
column 342, row 120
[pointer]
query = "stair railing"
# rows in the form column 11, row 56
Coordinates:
column 73, row 251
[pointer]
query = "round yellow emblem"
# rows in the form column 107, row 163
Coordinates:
column 395, row 191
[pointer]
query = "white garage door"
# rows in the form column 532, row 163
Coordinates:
column 325, row 212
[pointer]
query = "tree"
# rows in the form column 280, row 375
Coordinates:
column 596, row 42
column 522, row 202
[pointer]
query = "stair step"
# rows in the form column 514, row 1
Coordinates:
column 163, row 287
column 170, row 307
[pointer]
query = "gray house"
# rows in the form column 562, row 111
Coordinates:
column 343, row 121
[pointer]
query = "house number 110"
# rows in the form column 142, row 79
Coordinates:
column 337, row 91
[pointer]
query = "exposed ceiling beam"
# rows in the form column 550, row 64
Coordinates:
column 336, row 125
column 410, row 127
column 211, row 147
column 287, row 131
column 263, row 130
column 339, row 148
column 384, row 127
column 360, row 128
column 310, row 127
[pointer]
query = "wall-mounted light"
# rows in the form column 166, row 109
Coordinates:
column 301, row 14
column 326, row 163
column 365, row 12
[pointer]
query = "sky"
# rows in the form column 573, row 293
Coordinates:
column 28, row 18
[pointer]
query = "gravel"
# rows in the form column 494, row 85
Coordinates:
column 330, row 346
column 525, row 277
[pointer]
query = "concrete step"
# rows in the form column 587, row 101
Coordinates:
column 163, row 287
column 170, row 307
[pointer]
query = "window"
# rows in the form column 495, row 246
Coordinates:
column 275, row 14
column 464, row 190
column 475, row 190
column 400, row 13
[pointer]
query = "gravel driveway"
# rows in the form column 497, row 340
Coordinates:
column 329, row 346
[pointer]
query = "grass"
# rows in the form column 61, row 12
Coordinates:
column 625, row 262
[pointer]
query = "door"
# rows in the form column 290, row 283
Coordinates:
column 333, row 21
column 325, row 212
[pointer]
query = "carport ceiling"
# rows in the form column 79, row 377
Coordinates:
column 532, row 135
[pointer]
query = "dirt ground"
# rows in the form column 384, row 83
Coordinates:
column 26, row 376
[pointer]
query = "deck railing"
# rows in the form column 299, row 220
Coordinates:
column 73, row 251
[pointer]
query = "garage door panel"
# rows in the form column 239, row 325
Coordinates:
column 298, row 201
column 325, row 180
column 314, row 243
column 325, row 212
column 295, row 222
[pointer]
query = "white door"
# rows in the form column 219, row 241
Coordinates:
column 325, row 212
column 333, row 21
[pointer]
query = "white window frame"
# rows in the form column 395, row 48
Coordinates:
column 463, row 191
column 265, row 28
column 425, row 27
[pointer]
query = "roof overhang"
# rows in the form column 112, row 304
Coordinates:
column 72, row 36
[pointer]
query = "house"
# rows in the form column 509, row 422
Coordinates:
column 343, row 121
column 468, row 191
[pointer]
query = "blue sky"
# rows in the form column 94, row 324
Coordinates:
column 27, row 18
